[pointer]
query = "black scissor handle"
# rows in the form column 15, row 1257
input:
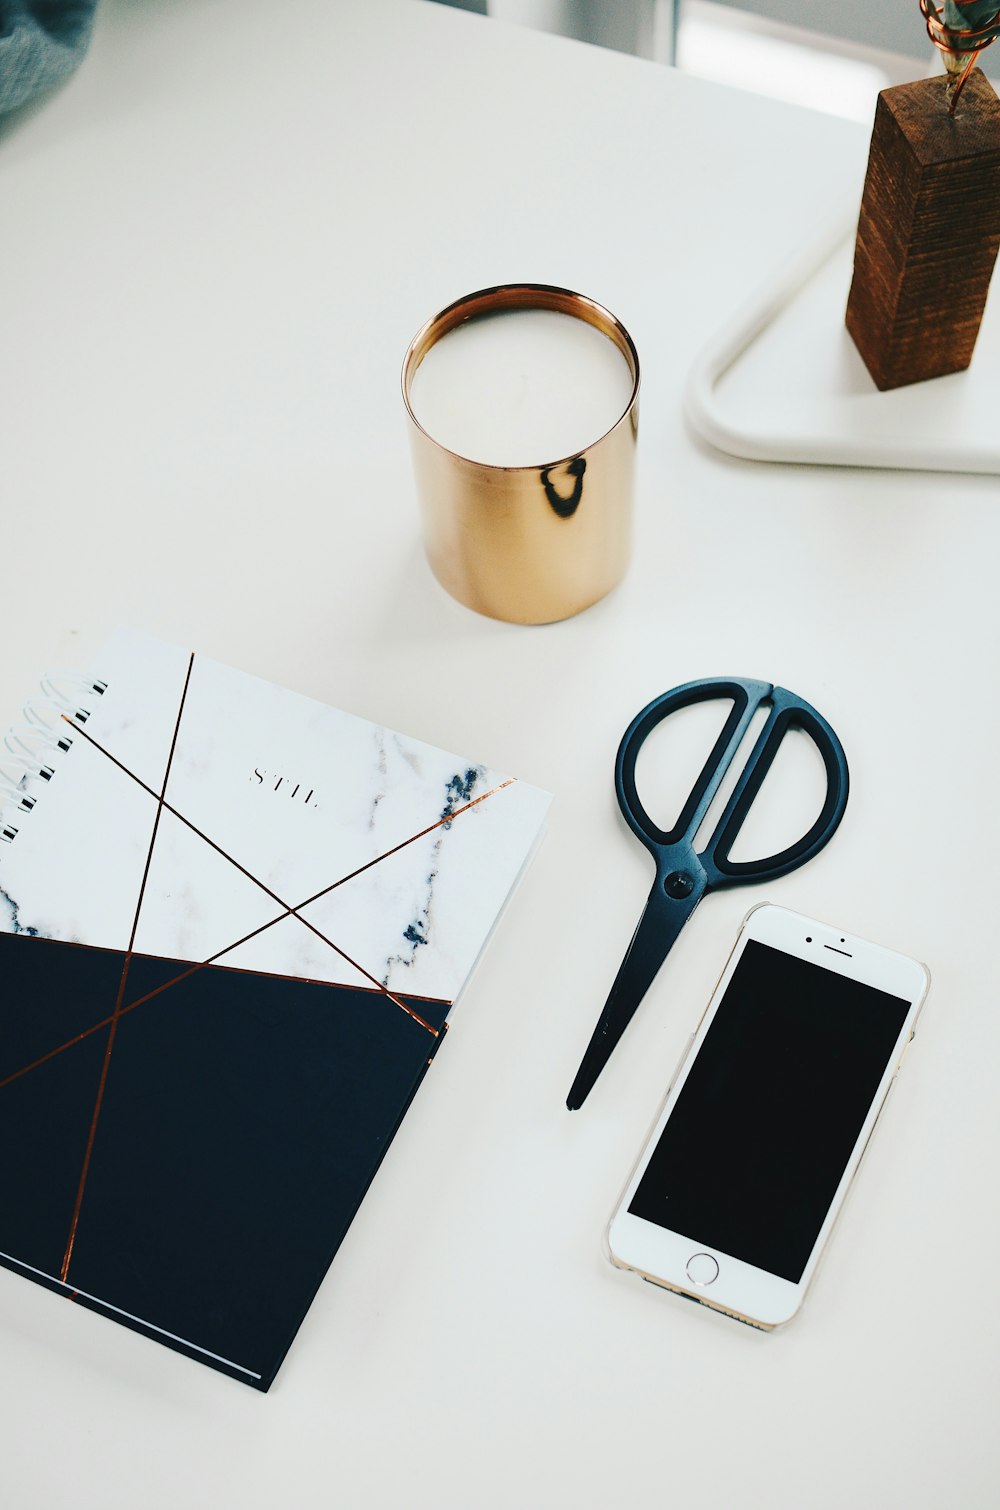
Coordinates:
column 747, row 697
column 787, row 712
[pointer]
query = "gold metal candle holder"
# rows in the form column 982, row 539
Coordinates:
column 529, row 544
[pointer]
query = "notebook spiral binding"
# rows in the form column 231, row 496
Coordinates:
column 32, row 750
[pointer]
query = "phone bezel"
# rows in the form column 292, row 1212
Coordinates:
column 754, row 1295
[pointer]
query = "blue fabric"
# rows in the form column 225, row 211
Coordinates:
column 969, row 15
column 41, row 41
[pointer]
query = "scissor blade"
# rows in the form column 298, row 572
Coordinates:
column 662, row 920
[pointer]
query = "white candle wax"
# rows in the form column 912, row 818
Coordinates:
column 521, row 388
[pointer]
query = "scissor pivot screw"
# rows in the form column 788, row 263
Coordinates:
column 679, row 885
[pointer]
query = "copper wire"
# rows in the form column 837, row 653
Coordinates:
column 958, row 43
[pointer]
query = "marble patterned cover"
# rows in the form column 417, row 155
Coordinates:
column 295, row 795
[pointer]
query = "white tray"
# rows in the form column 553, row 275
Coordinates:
column 784, row 382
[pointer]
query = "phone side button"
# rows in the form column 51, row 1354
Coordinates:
column 702, row 1269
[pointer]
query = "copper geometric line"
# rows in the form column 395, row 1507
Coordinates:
column 121, row 985
column 318, row 895
column 201, row 965
column 266, row 889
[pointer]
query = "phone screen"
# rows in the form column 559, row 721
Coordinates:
column 764, row 1125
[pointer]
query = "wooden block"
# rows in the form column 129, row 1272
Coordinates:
column 928, row 232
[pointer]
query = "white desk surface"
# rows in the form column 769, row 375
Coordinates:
column 217, row 241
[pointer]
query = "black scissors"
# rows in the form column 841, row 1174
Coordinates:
column 684, row 876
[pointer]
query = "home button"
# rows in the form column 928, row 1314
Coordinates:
column 702, row 1269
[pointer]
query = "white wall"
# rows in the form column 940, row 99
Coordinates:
column 892, row 25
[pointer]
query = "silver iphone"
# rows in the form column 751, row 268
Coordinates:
column 768, row 1116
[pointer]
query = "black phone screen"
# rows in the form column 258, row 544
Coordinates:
column 765, row 1123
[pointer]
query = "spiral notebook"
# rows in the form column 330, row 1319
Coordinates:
column 233, row 924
